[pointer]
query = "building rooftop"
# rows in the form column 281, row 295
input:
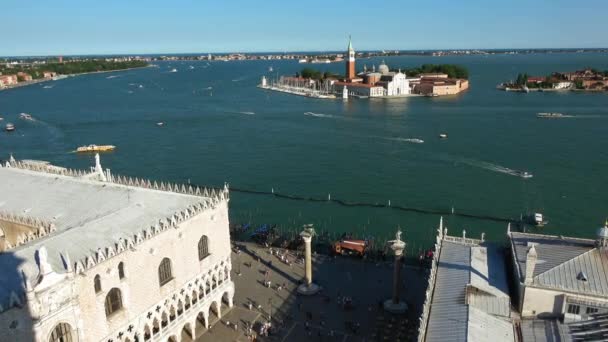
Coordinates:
column 594, row 329
column 472, row 274
column 88, row 215
column 560, row 260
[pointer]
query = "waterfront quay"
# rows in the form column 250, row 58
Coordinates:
column 348, row 308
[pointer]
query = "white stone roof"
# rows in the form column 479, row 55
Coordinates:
column 561, row 259
column 470, row 294
column 92, row 219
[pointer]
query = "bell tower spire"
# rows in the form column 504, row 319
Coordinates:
column 350, row 62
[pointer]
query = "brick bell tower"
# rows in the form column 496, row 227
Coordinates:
column 350, row 62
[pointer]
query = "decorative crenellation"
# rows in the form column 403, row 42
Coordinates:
column 428, row 296
column 195, row 295
column 40, row 228
column 221, row 193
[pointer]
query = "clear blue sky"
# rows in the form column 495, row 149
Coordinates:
column 64, row 27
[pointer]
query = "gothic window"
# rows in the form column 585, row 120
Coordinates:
column 203, row 247
column 113, row 301
column 97, row 283
column 121, row 270
column 164, row 272
column 61, row 333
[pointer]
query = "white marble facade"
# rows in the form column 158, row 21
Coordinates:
column 152, row 283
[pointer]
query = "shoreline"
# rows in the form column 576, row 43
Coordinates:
column 538, row 90
column 42, row 80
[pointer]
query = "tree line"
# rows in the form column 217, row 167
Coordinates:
column 75, row 67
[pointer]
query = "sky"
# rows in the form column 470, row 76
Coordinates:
column 68, row 27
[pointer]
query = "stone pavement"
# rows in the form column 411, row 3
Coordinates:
column 320, row 317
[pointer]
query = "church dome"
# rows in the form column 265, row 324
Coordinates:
column 383, row 68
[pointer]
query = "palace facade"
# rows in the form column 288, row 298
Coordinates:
column 90, row 256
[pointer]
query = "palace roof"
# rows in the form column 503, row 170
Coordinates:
column 470, row 299
column 92, row 220
column 561, row 261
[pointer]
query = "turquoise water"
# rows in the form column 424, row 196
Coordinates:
column 220, row 128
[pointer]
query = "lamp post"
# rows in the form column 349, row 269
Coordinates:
column 395, row 305
column 308, row 288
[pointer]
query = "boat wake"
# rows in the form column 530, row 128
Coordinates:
column 238, row 79
column 318, row 115
column 112, row 76
column 240, row 112
column 247, row 113
column 409, row 140
column 493, row 167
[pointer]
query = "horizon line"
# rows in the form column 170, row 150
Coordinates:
column 296, row 52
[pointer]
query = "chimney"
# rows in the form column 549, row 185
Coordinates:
column 530, row 264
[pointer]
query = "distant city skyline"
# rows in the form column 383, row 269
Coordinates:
column 67, row 27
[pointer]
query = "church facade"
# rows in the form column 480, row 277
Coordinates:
column 89, row 256
column 384, row 83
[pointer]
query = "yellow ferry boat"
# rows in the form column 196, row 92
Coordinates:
column 96, row 148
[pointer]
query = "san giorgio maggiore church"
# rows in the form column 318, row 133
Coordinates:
column 374, row 83
column 90, row 256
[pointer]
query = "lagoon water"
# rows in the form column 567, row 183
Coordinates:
column 220, row 128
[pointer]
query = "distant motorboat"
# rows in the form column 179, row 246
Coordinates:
column 96, row 148
column 9, row 127
column 524, row 174
column 191, row 67
column 173, row 70
column 270, row 69
column 26, row 116
column 443, row 135
column 160, row 124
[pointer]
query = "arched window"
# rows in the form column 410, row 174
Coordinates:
column 61, row 333
column 203, row 247
column 164, row 272
column 97, row 283
column 121, row 270
column 113, row 301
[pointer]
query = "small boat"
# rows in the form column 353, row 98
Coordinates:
column 191, row 67
column 160, row 124
column 443, row 135
column 173, row 70
column 1, row 118
column 550, row 115
column 415, row 140
column 9, row 127
column 26, row 116
column 96, row 148
column 536, row 219
column 524, row 174
column 270, row 69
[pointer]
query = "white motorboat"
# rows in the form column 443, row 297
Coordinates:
column 443, row 135
column 524, row 174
